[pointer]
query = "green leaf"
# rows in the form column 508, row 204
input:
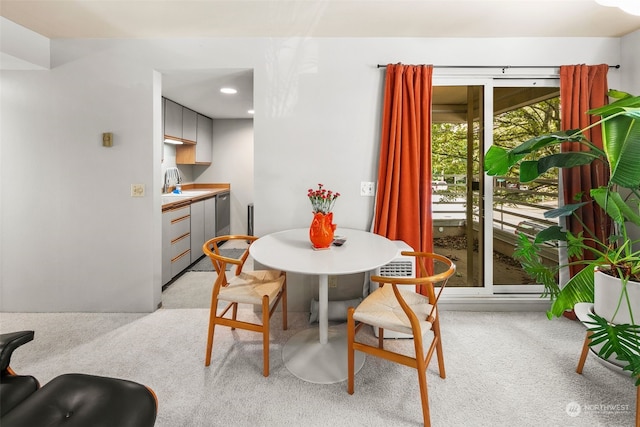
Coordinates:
column 575, row 245
column 543, row 141
column 578, row 289
column 566, row 160
column 496, row 161
column 622, row 340
column 565, row 210
column 499, row 160
column 551, row 234
column 532, row 169
column 529, row 170
column 625, row 103
column 528, row 254
column 614, row 205
column 621, row 141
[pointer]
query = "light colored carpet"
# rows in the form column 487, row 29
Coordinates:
column 503, row 369
column 191, row 290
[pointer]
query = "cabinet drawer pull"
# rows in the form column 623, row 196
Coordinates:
column 177, row 239
column 181, row 255
column 182, row 218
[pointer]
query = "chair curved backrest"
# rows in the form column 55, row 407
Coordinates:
column 426, row 282
column 211, row 248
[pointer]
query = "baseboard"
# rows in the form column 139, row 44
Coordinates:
column 494, row 303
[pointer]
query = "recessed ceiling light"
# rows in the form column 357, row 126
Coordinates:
column 228, row 90
column 250, row 111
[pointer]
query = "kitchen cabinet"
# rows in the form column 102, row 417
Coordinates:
column 223, row 214
column 204, row 147
column 197, row 230
column 201, row 153
column 172, row 120
column 186, row 228
column 203, row 225
column 166, row 248
column 209, row 218
column 189, row 126
column 176, row 242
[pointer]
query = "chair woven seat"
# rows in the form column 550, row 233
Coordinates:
column 382, row 310
column 249, row 287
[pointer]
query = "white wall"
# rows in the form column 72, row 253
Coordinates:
column 72, row 237
column 232, row 163
column 631, row 63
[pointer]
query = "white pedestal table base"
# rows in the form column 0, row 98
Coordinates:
column 308, row 359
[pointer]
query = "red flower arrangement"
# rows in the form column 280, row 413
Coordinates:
column 322, row 200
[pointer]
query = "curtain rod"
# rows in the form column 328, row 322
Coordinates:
column 504, row 67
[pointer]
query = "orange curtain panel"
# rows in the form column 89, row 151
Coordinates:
column 403, row 203
column 583, row 87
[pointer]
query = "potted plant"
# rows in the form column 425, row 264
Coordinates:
column 613, row 257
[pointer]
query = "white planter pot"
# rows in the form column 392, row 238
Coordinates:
column 607, row 293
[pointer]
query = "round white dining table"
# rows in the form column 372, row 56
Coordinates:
column 319, row 355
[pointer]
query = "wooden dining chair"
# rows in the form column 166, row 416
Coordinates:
column 264, row 288
column 406, row 311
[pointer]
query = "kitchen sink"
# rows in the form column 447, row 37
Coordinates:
column 170, row 198
column 187, row 194
column 194, row 193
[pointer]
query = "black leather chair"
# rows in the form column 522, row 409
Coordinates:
column 69, row 400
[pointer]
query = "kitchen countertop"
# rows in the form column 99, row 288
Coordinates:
column 192, row 193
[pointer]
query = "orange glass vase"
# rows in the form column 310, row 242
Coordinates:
column 321, row 230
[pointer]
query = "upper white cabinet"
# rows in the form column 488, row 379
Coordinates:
column 189, row 126
column 204, row 147
column 180, row 123
column 201, row 152
column 193, row 132
column 172, row 120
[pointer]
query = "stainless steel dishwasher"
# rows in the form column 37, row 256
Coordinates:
column 223, row 214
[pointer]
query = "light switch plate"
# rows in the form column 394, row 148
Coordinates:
column 137, row 190
column 366, row 188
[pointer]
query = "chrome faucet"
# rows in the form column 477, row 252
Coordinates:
column 171, row 175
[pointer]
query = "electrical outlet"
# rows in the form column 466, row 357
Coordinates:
column 366, row 188
column 333, row 281
column 137, row 190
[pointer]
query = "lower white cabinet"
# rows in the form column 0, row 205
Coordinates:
column 209, row 218
column 197, row 230
column 203, row 225
column 176, row 242
column 184, row 231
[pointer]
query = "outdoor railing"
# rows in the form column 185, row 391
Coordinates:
column 516, row 207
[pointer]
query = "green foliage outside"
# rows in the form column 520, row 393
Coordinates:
column 449, row 146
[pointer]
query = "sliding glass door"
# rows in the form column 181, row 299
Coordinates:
column 522, row 109
column 476, row 218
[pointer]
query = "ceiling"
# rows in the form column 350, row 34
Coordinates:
column 318, row 18
column 200, row 91
column 306, row 18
